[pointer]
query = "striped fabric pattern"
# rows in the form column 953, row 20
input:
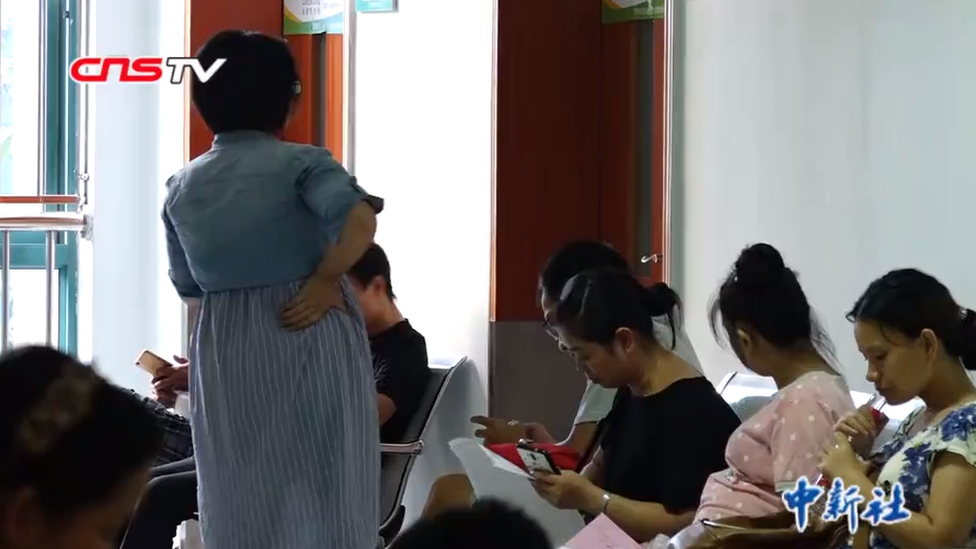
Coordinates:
column 285, row 426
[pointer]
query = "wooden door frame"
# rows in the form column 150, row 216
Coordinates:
column 619, row 145
column 319, row 111
column 660, row 197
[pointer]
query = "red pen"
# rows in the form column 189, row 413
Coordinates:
column 876, row 403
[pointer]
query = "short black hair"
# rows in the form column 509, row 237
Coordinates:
column 574, row 258
column 909, row 301
column 373, row 264
column 487, row 524
column 763, row 293
column 253, row 90
column 66, row 433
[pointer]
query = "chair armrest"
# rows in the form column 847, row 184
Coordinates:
column 409, row 449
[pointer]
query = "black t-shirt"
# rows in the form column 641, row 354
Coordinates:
column 402, row 373
column 663, row 447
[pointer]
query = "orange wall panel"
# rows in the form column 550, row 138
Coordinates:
column 320, row 66
column 208, row 17
column 565, row 141
column 547, row 98
column 317, row 118
column 334, row 90
column 301, row 127
column 618, row 136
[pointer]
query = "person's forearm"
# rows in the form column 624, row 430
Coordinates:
column 640, row 520
column 593, row 472
column 915, row 533
column 580, row 437
column 354, row 239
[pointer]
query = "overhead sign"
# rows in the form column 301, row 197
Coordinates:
column 313, row 16
column 376, row 6
column 622, row 11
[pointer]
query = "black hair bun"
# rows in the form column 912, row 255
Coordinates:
column 759, row 265
column 659, row 299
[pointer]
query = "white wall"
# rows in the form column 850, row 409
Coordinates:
column 422, row 116
column 423, row 83
column 136, row 142
column 422, row 112
column 840, row 132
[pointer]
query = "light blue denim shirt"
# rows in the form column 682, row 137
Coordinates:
column 254, row 211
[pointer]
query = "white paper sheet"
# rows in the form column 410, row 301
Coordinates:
column 494, row 477
column 471, row 447
column 602, row 533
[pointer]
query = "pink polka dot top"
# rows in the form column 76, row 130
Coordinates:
column 776, row 446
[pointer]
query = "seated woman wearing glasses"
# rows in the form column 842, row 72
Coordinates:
column 575, row 257
column 668, row 427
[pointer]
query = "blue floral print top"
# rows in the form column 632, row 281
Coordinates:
column 909, row 456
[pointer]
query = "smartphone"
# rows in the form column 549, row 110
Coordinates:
column 151, row 362
column 536, row 459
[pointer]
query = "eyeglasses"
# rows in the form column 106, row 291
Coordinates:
column 550, row 329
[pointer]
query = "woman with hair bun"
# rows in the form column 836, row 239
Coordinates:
column 668, row 426
column 75, row 452
column 500, row 435
column 919, row 343
column 763, row 312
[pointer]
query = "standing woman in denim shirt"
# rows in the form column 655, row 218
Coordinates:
column 285, row 426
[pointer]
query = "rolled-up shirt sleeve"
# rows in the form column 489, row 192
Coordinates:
column 179, row 267
column 330, row 192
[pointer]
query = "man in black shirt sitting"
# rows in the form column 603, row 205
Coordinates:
column 399, row 352
column 399, row 366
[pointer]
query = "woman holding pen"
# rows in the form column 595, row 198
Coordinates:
column 919, row 343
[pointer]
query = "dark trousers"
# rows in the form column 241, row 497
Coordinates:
column 170, row 498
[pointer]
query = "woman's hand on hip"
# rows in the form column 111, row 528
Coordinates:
column 317, row 297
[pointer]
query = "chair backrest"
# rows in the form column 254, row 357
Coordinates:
column 396, row 468
column 748, row 393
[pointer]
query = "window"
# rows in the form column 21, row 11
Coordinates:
column 38, row 125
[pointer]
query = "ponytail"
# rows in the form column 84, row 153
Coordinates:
column 594, row 305
column 661, row 300
column 965, row 342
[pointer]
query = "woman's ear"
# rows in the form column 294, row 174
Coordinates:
column 930, row 345
column 625, row 340
column 377, row 285
column 744, row 341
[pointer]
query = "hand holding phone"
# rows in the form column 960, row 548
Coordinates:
column 536, row 459
column 152, row 363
